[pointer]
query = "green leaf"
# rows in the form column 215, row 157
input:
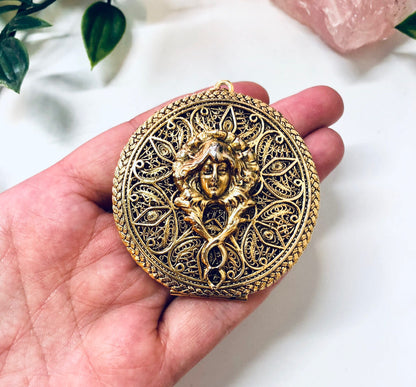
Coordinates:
column 408, row 26
column 20, row 23
column 8, row 8
column 14, row 63
column 102, row 27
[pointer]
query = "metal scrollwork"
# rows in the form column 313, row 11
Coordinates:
column 216, row 195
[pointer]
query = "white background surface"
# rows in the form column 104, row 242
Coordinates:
column 346, row 314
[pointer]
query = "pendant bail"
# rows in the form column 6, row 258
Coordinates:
column 224, row 84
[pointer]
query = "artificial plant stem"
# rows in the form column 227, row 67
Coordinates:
column 5, row 33
column 23, row 11
column 37, row 7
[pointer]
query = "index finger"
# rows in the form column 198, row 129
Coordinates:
column 311, row 109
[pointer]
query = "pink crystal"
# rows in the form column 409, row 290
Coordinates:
column 349, row 24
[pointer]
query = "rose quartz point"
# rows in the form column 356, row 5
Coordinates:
column 349, row 24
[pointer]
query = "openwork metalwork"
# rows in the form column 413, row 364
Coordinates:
column 216, row 195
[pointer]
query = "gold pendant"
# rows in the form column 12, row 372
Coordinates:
column 216, row 195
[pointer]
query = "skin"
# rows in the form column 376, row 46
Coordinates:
column 214, row 178
column 76, row 310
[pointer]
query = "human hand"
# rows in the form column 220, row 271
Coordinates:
column 76, row 309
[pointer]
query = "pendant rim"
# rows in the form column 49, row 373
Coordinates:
column 142, row 256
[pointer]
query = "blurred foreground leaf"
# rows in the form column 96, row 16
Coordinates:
column 408, row 26
column 102, row 27
column 20, row 23
column 14, row 63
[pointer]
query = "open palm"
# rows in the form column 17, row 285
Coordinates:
column 75, row 308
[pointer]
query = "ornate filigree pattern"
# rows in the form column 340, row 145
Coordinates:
column 216, row 195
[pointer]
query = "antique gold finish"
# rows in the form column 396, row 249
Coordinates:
column 216, row 195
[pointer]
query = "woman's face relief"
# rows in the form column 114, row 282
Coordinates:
column 214, row 178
